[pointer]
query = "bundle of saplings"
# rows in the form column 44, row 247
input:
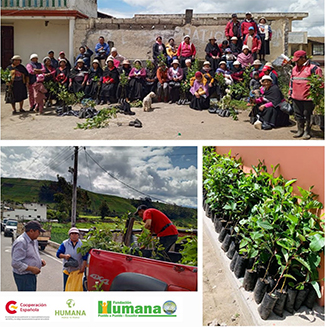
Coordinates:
column 273, row 237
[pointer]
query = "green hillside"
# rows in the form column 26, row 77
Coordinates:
column 21, row 190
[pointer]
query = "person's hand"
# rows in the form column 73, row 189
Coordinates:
column 66, row 256
column 197, row 95
column 83, row 83
column 43, row 263
column 257, row 51
column 210, row 84
column 34, row 270
column 240, row 79
column 262, row 107
column 70, row 84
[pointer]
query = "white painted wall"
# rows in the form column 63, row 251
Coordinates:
column 32, row 36
column 38, row 213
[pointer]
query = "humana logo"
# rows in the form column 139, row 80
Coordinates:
column 70, row 313
column 126, row 309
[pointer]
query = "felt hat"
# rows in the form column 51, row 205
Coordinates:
column 206, row 63
column 80, row 60
column 257, row 62
column 64, row 60
column 126, row 62
column 175, row 61
column 269, row 64
column 186, row 36
column 32, row 56
column 16, row 57
column 236, row 63
column 245, row 47
column 113, row 49
column 222, row 62
column 61, row 53
column 266, row 77
column 188, row 60
column 96, row 61
column 234, row 38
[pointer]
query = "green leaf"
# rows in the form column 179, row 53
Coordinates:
column 317, row 242
column 243, row 243
column 289, row 182
column 303, row 262
column 289, row 276
column 316, row 287
column 264, row 224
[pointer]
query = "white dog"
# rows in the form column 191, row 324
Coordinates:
column 147, row 101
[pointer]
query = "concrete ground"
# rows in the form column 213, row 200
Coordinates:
column 244, row 304
column 165, row 122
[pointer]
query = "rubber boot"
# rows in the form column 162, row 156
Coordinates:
column 307, row 135
column 301, row 126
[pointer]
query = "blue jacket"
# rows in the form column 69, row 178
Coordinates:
column 103, row 53
column 85, row 57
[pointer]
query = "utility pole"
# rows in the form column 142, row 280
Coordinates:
column 74, row 188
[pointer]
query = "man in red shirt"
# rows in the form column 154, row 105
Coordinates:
column 158, row 223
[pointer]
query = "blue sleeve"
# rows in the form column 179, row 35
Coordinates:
column 98, row 45
column 85, row 257
column 89, row 52
column 79, row 56
column 108, row 50
column 61, row 250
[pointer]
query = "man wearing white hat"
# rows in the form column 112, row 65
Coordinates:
column 33, row 67
column 72, row 260
column 186, row 50
column 118, row 59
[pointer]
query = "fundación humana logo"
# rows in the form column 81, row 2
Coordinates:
column 127, row 309
column 71, row 312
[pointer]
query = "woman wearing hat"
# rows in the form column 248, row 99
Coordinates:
column 16, row 89
column 62, row 56
column 110, row 81
column 62, row 73
column 48, row 69
column 225, row 72
column 175, row 76
column 118, row 59
column 200, row 92
column 209, row 73
column 237, row 72
column 137, row 78
column 267, row 107
column 171, row 50
column 270, row 71
column 158, row 49
column 151, row 77
column 33, row 67
column 123, row 90
column 93, row 81
column 257, row 66
column 265, row 33
column 68, row 249
column 245, row 58
column 78, row 77
column 235, row 46
column 186, row 50
column 213, row 53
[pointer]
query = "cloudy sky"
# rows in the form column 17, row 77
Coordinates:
column 314, row 24
column 166, row 173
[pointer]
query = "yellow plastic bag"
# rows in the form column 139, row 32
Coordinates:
column 74, row 282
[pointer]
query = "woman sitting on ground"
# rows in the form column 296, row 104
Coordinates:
column 208, row 73
column 225, row 72
column 123, row 90
column 246, row 57
column 175, row 76
column 110, row 82
column 151, row 77
column 137, row 78
column 266, row 109
column 200, row 92
column 78, row 77
column 93, row 81
column 237, row 72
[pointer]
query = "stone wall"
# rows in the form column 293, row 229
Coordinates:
column 134, row 37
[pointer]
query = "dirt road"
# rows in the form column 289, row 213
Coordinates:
column 165, row 122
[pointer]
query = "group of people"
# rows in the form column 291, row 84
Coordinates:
column 27, row 263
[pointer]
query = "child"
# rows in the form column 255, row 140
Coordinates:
column 255, row 85
column 39, row 93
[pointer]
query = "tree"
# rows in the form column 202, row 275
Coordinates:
column 104, row 210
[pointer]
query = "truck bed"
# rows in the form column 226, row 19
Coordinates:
column 105, row 266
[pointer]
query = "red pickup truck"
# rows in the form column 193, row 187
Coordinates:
column 123, row 272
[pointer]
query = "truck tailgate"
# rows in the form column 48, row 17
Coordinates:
column 104, row 266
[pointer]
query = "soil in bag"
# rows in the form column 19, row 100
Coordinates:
column 240, row 266
column 291, row 298
column 226, row 243
column 218, row 225
column 250, row 279
column 271, row 285
column 279, row 305
column 231, row 250
column 223, row 234
column 260, row 289
column 311, row 297
column 233, row 261
column 301, row 296
column 267, row 305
